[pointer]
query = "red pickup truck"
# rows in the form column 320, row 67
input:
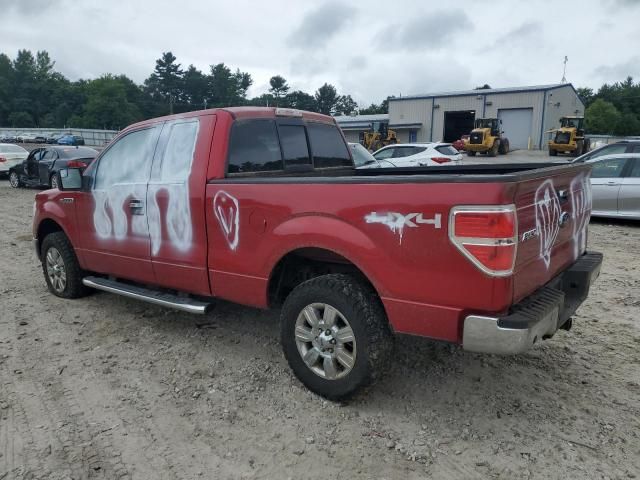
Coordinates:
column 263, row 207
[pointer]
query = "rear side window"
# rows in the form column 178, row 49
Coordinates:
column 328, row 146
column 608, row 168
column 254, row 147
column 635, row 170
column 178, row 154
column 407, row 151
column 294, row 145
column 447, row 150
column 610, row 150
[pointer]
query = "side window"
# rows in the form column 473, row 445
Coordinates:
column 406, row 151
column 635, row 170
column 610, row 150
column 608, row 168
column 294, row 145
column 178, row 154
column 328, row 146
column 254, row 147
column 48, row 155
column 128, row 160
column 384, row 154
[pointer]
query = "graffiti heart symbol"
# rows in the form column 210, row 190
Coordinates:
column 548, row 214
column 226, row 210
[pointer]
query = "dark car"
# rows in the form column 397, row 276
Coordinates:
column 624, row 146
column 42, row 164
column 53, row 138
column 71, row 140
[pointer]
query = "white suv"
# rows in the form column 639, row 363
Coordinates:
column 420, row 154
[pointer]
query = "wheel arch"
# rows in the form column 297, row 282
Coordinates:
column 46, row 227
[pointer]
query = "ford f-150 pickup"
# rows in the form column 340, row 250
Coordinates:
column 263, row 206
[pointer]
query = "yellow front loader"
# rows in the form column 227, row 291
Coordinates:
column 569, row 138
column 486, row 137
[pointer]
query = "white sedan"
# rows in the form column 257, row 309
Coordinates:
column 420, row 154
column 10, row 156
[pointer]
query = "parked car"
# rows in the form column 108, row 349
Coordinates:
column 41, row 137
column 624, row 146
column 26, row 138
column 362, row 158
column 419, row 154
column 54, row 137
column 10, row 156
column 42, row 164
column 615, row 184
column 7, row 138
column 71, row 140
column 272, row 214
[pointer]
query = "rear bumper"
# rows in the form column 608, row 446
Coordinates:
column 536, row 317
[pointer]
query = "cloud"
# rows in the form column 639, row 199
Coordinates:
column 522, row 34
column 425, row 31
column 620, row 71
column 320, row 25
column 25, row 7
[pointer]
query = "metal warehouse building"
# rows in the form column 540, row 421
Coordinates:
column 526, row 114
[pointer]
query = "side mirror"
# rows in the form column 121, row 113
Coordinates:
column 69, row 179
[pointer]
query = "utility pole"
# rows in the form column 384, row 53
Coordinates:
column 564, row 70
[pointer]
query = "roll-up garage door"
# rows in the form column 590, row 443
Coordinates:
column 516, row 124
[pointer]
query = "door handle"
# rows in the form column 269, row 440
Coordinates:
column 136, row 206
column 613, row 184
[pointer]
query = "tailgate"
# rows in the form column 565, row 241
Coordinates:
column 553, row 217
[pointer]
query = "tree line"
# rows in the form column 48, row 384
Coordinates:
column 613, row 109
column 34, row 94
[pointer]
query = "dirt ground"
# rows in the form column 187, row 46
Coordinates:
column 106, row 387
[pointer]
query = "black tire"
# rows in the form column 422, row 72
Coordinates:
column 53, row 181
column 73, row 287
column 503, row 149
column 553, row 153
column 471, row 153
column 361, row 307
column 14, row 179
column 586, row 146
column 493, row 151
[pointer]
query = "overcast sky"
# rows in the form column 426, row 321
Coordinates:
column 367, row 49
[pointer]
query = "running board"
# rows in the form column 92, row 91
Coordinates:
column 185, row 304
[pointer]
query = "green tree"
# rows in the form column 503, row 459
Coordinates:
column 107, row 104
column 627, row 124
column 165, row 83
column 195, row 88
column 279, row 87
column 326, row 98
column 6, row 88
column 345, row 105
column 586, row 95
column 486, row 86
column 21, row 120
column 601, row 117
column 301, row 100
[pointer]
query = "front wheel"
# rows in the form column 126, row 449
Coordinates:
column 60, row 266
column 553, row 153
column 335, row 335
column 471, row 153
column 14, row 179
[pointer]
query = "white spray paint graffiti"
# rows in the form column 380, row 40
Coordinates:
column 550, row 217
column 397, row 221
column 122, row 177
column 227, row 212
column 580, row 189
column 548, row 213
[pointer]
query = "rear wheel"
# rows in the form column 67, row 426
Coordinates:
column 553, row 153
column 579, row 146
column 587, row 146
column 60, row 266
column 504, row 146
column 335, row 335
column 14, row 179
column 471, row 153
column 53, row 181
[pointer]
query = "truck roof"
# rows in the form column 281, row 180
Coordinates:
column 244, row 112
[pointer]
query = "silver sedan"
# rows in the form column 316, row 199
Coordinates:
column 615, row 185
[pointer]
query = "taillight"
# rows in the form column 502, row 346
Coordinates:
column 486, row 235
column 440, row 159
column 2, row 159
column 76, row 164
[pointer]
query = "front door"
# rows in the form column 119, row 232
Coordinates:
column 629, row 199
column 44, row 166
column 606, row 178
column 33, row 162
column 114, row 229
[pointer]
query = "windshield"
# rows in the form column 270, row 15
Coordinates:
column 486, row 123
column 571, row 122
column 361, row 156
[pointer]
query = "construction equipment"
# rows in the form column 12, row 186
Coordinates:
column 486, row 137
column 569, row 138
column 378, row 136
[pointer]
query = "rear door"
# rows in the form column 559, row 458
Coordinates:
column 553, row 217
column 629, row 197
column 45, row 164
column 175, row 203
column 606, row 179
